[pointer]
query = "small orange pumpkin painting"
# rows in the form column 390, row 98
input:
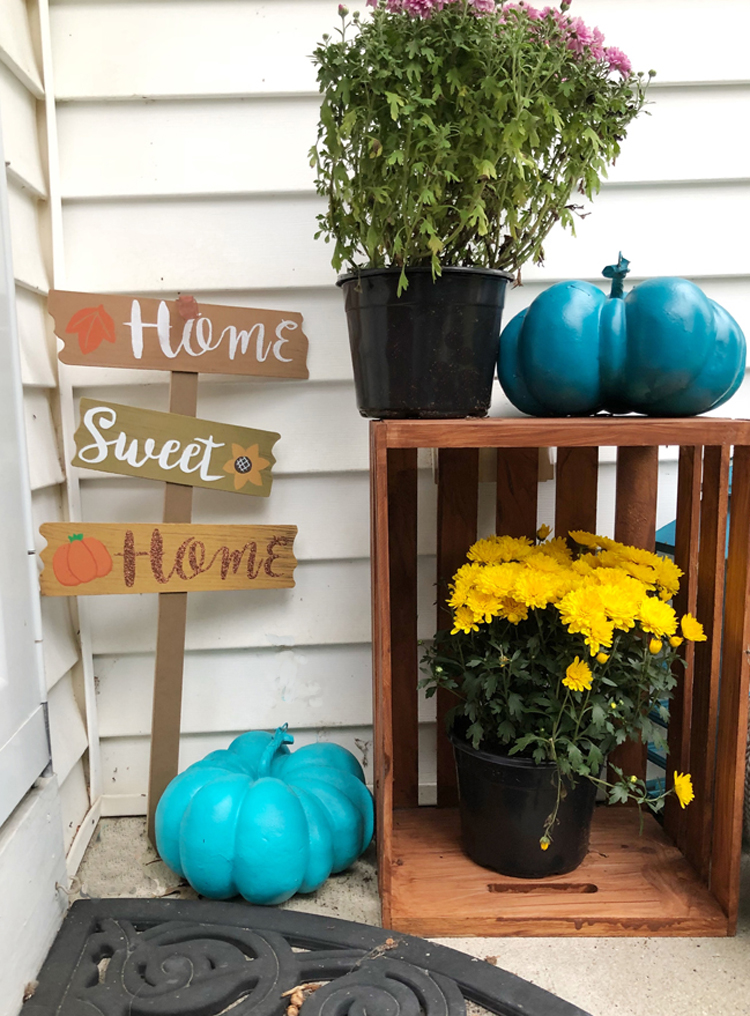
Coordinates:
column 81, row 560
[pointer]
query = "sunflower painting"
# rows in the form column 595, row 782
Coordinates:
column 247, row 464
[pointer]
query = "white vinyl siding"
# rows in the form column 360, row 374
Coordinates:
column 184, row 130
column 22, row 114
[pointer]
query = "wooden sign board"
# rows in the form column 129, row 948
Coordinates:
column 151, row 334
column 178, row 449
column 99, row 558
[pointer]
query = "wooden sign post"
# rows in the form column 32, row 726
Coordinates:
column 182, row 337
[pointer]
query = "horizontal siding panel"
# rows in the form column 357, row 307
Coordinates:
column 46, row 506
column 133, row 245
column 16, row 46
column 28, row 260
column 41, row 441
column 186, row 147
column 250, row 48
column 132, row 149
column 136, row 245
column 216, row 48
column 36, row 341
column 20, row 138
column 125, row 760
column 59, row 645
column 67, row 731
column 74, row 802
column 239, row 689
column 331, row 511
column 329, row 605
column 655, row 148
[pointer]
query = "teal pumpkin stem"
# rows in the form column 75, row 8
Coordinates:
column 617, row 274
column 279, row 739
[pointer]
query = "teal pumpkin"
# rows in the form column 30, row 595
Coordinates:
column 257, row 821
column 665, row 349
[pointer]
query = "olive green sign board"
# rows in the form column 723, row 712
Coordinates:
column 182, row 335
column 178, row 449
column 102, row 558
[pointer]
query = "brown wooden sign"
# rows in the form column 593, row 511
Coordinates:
column 99, row 558
column 151, row 334
column 178, row 449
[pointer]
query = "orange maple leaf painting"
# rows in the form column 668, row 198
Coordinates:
column 92, row 325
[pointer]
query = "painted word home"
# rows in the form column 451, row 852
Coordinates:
column 179, row 449
column 182, row 335
column 101, row 558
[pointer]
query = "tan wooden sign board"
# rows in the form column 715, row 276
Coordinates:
column 101, row 558
column 150, row 334
column 178, row 449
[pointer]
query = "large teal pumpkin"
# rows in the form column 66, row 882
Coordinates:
column 665, row 349
column 258, row 821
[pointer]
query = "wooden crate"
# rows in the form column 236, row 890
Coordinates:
column 682, row 879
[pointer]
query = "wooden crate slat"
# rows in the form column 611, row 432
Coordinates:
column 707, row 661
column 568, row 432
column 687, row 530
column 458, row 492
column 733, row 704
column 517, row 491
column 381, row 654
column 576, row 483
column 637, row 477
column 402, row 556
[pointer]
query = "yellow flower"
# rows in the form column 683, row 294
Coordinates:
column 613, row 705
column 668, row 577
column 654, row 646
column 599, row 633
column 675, row 641
column 543, row 532
column 657, row 617
column 683, row 788
column 544, row 843
column 484, row 606
column 602, row 657
column 621, row 602
column 513, row 610
column 692, row 629
column 578, row 676
column 496, row 549
column 534, row 588
column 464, row 620
column 247, row 464
column 584, row 539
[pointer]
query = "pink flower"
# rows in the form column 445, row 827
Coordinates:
column 617, row 60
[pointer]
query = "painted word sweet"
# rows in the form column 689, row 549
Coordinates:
column 178, row 449
column 146, row 558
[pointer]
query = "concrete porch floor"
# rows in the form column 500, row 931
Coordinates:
column 606, row 976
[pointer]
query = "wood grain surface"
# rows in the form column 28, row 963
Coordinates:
column 178, row 335
column 175, row 448
column 628, row 885
column 160, row 558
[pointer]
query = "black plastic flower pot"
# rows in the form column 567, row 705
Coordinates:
column 504, row 802
column 431, row 352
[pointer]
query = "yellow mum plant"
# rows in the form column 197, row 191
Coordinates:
column 560, row 655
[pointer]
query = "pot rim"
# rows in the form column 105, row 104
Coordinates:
column 517, row 761
column 418, row 269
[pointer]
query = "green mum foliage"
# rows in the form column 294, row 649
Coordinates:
column 458, row 138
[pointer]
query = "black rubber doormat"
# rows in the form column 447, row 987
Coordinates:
column 134, row 957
